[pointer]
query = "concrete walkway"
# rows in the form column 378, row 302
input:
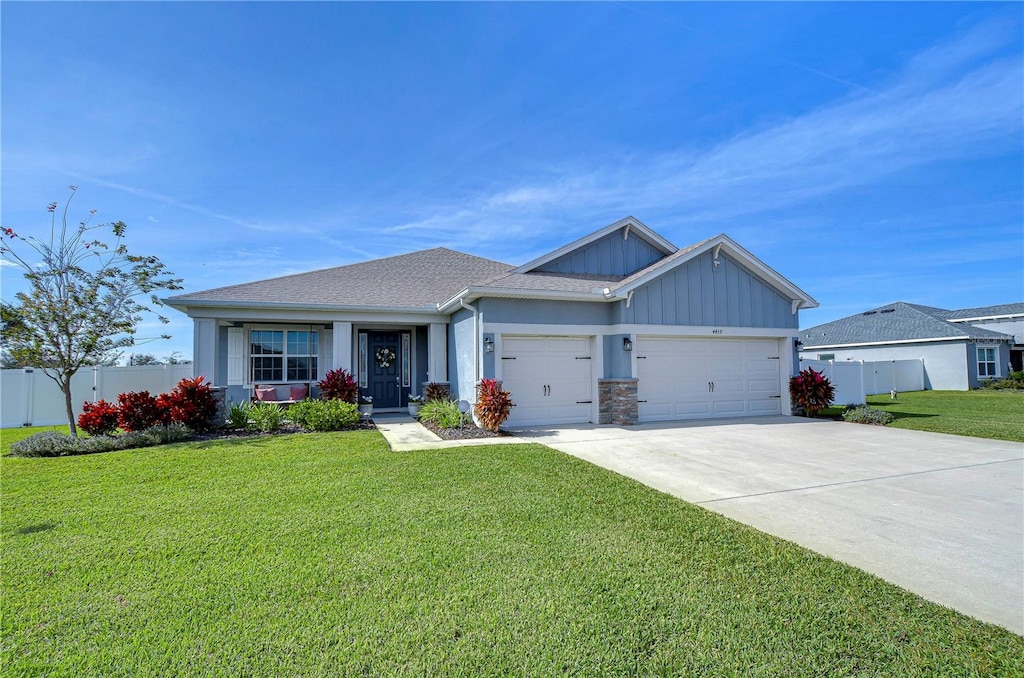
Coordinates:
column 940, row 515
column 405, row 434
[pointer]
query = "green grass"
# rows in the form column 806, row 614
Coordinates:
column 13, row 435
column 982, row 414
column 327, row 554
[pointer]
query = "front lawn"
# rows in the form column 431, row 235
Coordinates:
column 327, row 554
column 982, row 414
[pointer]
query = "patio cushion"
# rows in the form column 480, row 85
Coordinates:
column 299, row 392
column 266, row 394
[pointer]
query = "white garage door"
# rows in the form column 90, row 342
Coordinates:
column 698, row 378
column 549, row 379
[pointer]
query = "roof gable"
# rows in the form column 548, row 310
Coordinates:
column 896, row 322
column 719, row 243
column 598, row 253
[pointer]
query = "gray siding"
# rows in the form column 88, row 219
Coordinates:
column 541, row 312
column 617, row 363
column 697, row 293
column 610, row 255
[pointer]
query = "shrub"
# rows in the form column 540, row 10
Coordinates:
column 192, row 403
column 492, row 404
column 138, row 411
column 436, row 391
column 96, row 444
column 1013, row 381
column 339, row 385
column 98, row 419
column 238, row 414
column 324, row 415
column 265, row 417
column 45, row 444
column 863, row 414
column 443, row 414
column 812, row 391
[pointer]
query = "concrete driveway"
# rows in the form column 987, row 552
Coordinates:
column 940, row 515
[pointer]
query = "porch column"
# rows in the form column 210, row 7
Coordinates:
column 437, row 352
column 204, row 349
column 341, row 347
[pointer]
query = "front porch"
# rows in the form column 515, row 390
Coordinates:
column 390, row 358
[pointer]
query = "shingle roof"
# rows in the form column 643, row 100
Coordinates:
column 552, row 282
column 899, row 321
column 986, row 311
column 417, row 279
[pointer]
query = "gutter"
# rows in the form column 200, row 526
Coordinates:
column 473, row 293
column 182, row 304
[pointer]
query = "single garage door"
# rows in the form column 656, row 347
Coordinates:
column 549, row 379
column 699, row 378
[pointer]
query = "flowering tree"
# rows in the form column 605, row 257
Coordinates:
column 82, row 305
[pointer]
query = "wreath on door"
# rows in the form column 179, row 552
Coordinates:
column 385, row 357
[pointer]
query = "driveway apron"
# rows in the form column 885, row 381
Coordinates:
column 940, row 515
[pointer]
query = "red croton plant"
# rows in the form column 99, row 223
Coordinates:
column 492, row 405
column 812, row 391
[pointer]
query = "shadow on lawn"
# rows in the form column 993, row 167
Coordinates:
column 33, row 529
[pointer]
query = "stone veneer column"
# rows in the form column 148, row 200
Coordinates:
column 617, row 403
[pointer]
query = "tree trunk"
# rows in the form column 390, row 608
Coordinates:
column 65, row 386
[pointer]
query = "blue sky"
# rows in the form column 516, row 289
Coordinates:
column 870, row 152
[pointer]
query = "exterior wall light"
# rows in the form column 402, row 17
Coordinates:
column 627, row 344
column 488, row 345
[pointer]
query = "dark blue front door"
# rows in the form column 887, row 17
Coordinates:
column 385, row 369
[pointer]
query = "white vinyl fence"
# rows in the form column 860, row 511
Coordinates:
column 854, row 380
column 30, row 398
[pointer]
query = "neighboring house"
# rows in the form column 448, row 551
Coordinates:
column 960, row 349
column 616, row 327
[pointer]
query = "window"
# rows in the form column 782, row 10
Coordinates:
column 283, row 355
column 826, row 356
column 987, row 362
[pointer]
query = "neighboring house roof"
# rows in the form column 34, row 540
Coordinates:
column 898, row 322
column 415, row 280
column 986, row 313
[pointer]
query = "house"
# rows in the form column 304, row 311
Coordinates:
column 617, row 327
column 960, row 349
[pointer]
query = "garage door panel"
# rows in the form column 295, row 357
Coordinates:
column 549, row 379
column 676, row 375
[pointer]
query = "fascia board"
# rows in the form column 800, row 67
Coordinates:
column 473, row 293
column 986, row 317
column 632, row 222
column 762, row 269
column 818, row 347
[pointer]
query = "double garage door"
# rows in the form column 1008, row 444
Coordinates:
column 551, row 379
column 700, row 378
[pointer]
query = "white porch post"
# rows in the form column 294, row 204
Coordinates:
column 341, row 346
column 204, row 348
column 786, row 370
column 437, row 352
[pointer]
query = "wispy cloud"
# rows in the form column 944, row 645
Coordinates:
column 958, row 100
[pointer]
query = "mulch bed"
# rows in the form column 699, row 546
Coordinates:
column 467, row 432
column 231, row 434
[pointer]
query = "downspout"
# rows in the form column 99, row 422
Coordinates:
column 476, row 343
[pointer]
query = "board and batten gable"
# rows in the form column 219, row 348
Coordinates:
column 612, row 254
column 700, row 293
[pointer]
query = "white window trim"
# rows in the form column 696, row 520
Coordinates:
column 978, row 361
column 284, row 366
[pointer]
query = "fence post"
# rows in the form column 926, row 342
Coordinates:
column 29, row 395
column 97, row 381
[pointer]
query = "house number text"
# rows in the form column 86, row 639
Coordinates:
column 716, row 331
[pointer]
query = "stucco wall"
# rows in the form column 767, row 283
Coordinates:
column 610, row 255
column 460, row 355
column 1002, row 361
column 699, row 293
column 946, row 365
column 617, row 362
column 1014, row 327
